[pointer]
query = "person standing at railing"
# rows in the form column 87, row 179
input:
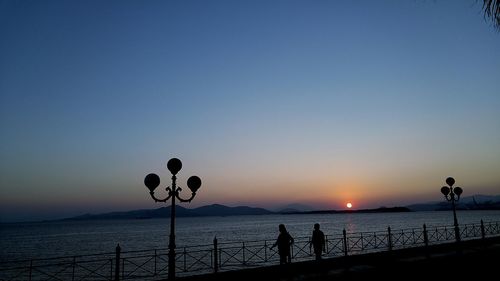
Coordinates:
column 284, row 242
column 318, row 241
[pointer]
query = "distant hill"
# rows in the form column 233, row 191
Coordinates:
column 475, row 202
column 294, row 208
column 164, row 212
column 221, row 210
column 377, row 210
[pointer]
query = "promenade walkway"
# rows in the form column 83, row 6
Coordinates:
column 472, row 260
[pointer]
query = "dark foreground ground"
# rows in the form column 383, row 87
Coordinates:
column 473, row 260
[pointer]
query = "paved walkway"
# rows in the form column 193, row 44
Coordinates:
column 473, row 260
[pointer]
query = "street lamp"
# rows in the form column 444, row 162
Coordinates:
column 449, row 193
column 152, row 181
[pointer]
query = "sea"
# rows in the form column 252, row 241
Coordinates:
column 36, row 240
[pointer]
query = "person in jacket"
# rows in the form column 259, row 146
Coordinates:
column 284, row 242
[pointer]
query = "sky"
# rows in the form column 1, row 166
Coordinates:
column 268, row 102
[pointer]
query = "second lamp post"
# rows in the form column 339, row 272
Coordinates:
column 152, row 181
column 450, row 193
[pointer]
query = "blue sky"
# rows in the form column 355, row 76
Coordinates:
column 269, row 102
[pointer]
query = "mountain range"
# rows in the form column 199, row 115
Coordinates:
column 476, row 202
column 164, row 212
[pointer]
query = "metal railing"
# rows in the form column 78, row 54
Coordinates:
column 152, row 264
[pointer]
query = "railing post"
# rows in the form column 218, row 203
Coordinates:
column 310, row 245
column 326, row 244
column 216, row 254
column 31, row 269
column 220, row 258
column 243, row 254
column 73, row 269
column 426, row 238
column 344, row 234
column 389, row 238
column 265, row 251
column 185, row 268
column 155, row 264
column 483, row 233
column 117, row 263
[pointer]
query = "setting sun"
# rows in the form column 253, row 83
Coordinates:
column 349, row 205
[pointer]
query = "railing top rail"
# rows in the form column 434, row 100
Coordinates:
column 143, row 251
column 108, row 254
column 367, row 232
column 272, row 240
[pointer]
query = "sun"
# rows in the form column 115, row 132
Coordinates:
column 349, row 205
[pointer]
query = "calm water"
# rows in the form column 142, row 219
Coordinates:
column 51, row 239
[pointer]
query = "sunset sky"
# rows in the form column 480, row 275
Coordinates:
column 268, row 102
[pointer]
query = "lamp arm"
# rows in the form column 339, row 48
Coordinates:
column 184, row 200
column 170, row 193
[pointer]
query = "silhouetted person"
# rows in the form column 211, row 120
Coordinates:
column 318, row 241
column 284, row 241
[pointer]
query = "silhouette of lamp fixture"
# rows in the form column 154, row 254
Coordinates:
column 452, row 194
column 152, row 181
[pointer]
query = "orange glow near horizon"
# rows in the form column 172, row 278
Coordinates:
column 349, row 205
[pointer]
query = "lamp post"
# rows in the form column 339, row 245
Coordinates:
column 450, row 193
column 152, row 181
